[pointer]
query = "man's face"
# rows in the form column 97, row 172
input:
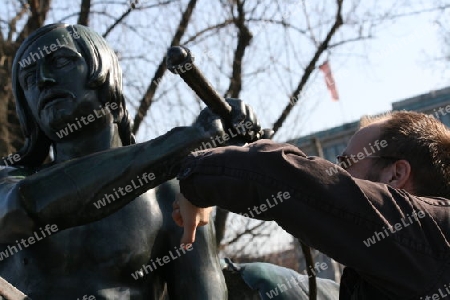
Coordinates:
column 53, row 75
column 363, row 141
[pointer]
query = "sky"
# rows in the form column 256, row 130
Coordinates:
column 398, row 64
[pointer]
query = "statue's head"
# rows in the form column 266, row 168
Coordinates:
column 60, row 73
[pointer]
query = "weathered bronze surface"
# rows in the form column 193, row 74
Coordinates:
column 61, row 242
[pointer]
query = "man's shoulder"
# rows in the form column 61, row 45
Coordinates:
column 436, row 207
column 435, row 201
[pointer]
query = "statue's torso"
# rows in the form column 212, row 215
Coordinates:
column 95, row 259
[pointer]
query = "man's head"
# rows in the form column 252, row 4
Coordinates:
column 59, row 72
column 415, row 156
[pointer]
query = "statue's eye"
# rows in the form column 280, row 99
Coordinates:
column 61, row 61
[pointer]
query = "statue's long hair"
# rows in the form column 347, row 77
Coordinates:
column 105, row 75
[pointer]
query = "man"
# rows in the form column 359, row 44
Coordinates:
column 386, row 216
column 88, row 224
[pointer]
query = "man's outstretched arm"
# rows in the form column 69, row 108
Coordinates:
column 322, row 205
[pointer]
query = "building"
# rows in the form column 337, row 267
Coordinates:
column 331, row 142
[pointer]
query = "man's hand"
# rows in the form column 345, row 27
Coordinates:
column 189, row 216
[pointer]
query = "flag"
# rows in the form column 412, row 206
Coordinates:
column 331, row 85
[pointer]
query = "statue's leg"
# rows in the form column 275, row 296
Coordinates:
column 194, row 274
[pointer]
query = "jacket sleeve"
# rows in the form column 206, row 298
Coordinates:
column 390, row 237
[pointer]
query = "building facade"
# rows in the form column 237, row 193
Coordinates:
column 332, row 142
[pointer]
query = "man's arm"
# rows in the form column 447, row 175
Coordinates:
column 324, row 207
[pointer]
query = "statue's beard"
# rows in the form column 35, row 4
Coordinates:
column 57, row 114
column 74, row 120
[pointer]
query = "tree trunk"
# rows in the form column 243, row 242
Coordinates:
column 11, row 137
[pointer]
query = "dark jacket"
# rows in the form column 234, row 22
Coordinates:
column 394, row 244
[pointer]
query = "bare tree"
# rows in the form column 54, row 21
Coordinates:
column 12, row 32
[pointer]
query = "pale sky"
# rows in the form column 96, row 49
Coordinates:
column 399, row 64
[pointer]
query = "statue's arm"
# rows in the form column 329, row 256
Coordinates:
column 65, row 194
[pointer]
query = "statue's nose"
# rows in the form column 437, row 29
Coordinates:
column 44, row 75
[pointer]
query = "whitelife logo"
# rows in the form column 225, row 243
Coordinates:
column 359, row 156
column 37, row 236
column 12, row 158
column 161, row 261
column 281, row 287
column 103, row 111
column 120, row 192
column 263, row 207
column 221, row 139
column 35, row 56
column 439, row 296
column 378, row 236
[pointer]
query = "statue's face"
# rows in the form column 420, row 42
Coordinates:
column 53, row 75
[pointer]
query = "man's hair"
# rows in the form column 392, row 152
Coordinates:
column 104, row 74
column 421, row 140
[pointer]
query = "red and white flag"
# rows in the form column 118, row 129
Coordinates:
column 331, row 85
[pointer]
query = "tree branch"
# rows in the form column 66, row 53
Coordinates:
column 210, row 28
column 83, row 18
column 350, row 40
column 150, row 93
column 245, row 232
column 13, row 22
column 244, row 38
column 310, row 68
column 39, row 10
column 117, row 22
column 126, row 13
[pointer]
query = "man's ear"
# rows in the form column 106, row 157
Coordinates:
column 398, row 175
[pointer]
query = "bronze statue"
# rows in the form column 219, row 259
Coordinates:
column 89, row 223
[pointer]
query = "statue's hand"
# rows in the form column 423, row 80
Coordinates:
column 189, row 216
column 244, row 127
